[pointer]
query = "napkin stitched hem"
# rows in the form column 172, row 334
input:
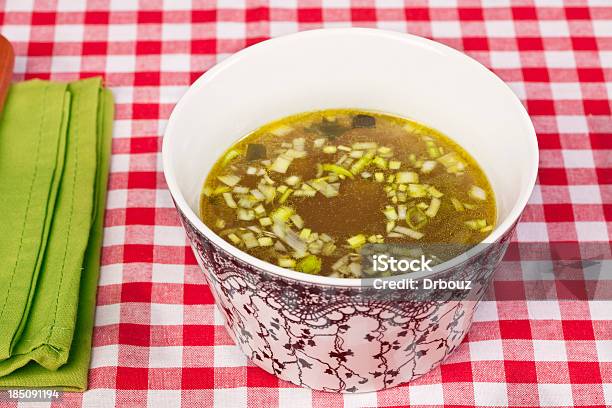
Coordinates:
column 48, row 146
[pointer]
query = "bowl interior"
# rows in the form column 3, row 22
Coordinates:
column 359, row 68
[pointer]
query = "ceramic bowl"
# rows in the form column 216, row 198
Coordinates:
column 330, row 333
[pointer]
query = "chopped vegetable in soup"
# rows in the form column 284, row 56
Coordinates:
column 308, row 191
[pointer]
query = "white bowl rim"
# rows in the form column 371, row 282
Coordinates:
column 209, row 75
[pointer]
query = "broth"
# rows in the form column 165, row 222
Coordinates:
column 306, row 192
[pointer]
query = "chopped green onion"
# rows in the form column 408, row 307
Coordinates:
column 390, row 213
column 240, row 190
column 265, row 222
column 255, row 229
column 428, row 166
column 406, row 177
column 249, row 240
column 319, row 142
column 207, row 191
column 297, row 221
column 285, row 196
column 487, row 228
column 434, row 192
column 286, row 262
column 267, row 178
column 295, row 154
column 408, row 232
column 282, row 130
column 338, row 170
column 384, row 150
column 390, row 226
column 355, row 269
column 292, row 180
column 476, row 224
column 259, row 196
column 230, row 179
column 356, row 241
column 432, row 149
column 361, row 164
column 231, row 155
column 433, row 152
column 260, row 210
column 265, row 241
column 299, row 144
column 328, row 249
column 394, row 164
column 245, row 215
column 457, row 204
column 329, row 149
column 326, row 238
column 380, row 162
column 310, row 264
column 293, row 240
column 304, row 193
column 324, row 188
column 452, row 162
column 344, row 148
column 229, row 200
column 282, row 214
column 340, row 262
column 433, row 208
column 478, row 193
column 234, row 238
column 220, row 190
column 379, row 177
column 281, row 164
column 365, row 146
column 268, row 191
column 413, row 128
column 417, row 190
column 245, row 202
column 402, row 210
column 279, row 229
column 356, row 154
column 220, row 223
column 416, row 218
column 305, row 234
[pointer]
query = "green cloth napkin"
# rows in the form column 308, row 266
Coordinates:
column 51, row 340
column 32, row 150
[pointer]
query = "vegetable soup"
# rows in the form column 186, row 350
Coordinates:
column 306, row 192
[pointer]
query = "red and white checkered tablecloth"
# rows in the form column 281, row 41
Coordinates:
column 158, row 340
